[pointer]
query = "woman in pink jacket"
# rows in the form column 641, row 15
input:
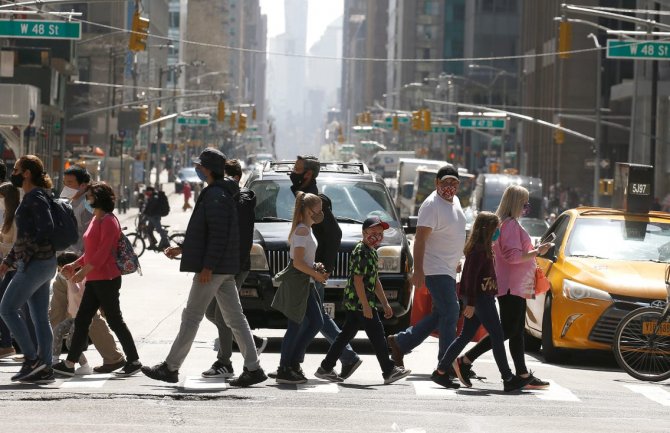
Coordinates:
column 515, row 271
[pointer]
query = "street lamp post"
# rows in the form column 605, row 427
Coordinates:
column 596, row 143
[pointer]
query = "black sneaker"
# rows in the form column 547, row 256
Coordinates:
column 219, row 369
column 348, row 370
column 516, row 383
column 272, row 374
column 288, row 375
column 299, row 371
column 536, row 383
column 261, row 343
column 42, row 377
column 248, row 378
column 396, row 374
column 161, row 372
column 29, row 367
column 396, row 354
column 129, row 369
column 444, row 380
column 62, row 369
column 330, row 376
column 108, row 368
column 462, row 371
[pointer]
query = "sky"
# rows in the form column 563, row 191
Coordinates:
column 320, row 14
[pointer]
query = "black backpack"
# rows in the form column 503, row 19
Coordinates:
column 163, row 204
column 65, row 231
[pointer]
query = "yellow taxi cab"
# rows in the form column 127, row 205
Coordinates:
column 605, row 263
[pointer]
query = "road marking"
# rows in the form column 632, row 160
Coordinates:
column 196, row 383
column 88, row 381
column 555, row 392
column 652, row 392
column 326, row 388
column 428, row 388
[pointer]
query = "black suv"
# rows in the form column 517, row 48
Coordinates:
column 356, row 193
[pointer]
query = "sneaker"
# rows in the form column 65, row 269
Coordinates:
column 248, row 378
column 62, row 369
column 129, row 369
column 396, row 354
column 6, row 352
column 348, row 370
column 444, row 380
column 42, row 377
column 516, row 383
column 396, row 374
column 161, row 372
column 261, row 343
column 108, row 368
column 330, row 376
column 297, row 369
column 83, row 370
column 272, row 374
column 219, row 369
column 536, row 383
column 288, row 375
column 462, row 371
column 29, row 368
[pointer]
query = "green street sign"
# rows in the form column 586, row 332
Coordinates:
column 193, row 121
column 444, row 129
column 40, row 29
column 481, row 123
column 642, row 50
column 252, row 128
column 401, row 119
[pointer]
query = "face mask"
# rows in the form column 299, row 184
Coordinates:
column 374, row 239
column 2, row 204
column 297, row 179
column 317, row 217
column 68, row 192
column 447, row 192
column 17, row 180
column 496, row 235
column 88, row 206
column 526, row 210
column 201, row 175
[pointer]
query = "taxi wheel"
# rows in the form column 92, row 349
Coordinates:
column 551, row 353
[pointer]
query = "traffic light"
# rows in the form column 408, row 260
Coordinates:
column 233, row 119
column 417, row 122
column 494, row 167
column 158, row 113
column 140, row 31
column 606, row 186
column 396, row 123
column 426, row 120
column 144, row 114
column 242, row 125
column 253, row 114
column 559, row 136
column 221, row 111
column 564, row 39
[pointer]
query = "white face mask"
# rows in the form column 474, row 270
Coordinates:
column 2, row 205
column 68, row 192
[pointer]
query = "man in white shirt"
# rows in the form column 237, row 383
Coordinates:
column 438, row 248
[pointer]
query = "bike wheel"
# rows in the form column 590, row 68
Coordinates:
column 137, row 242
column 641, row 348
column 177, row 239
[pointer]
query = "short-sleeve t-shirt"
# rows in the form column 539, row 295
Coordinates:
column 444, row 246
column 363, row 261
column 308, row 242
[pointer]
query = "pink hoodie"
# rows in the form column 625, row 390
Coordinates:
column 514, row 274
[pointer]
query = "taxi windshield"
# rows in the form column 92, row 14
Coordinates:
column 620, row 240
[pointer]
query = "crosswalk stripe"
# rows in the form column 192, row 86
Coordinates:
column 652, row 392
column 428, row 388
column 326, row 388
column 555, row 392
column 198, row 383
column 89, row 381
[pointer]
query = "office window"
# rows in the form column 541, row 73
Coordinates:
column 431, row 7
column 426, row 53
column 174, row 19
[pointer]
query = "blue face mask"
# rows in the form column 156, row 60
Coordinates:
column 496, row 235
column 201, row 175
column 88, row 206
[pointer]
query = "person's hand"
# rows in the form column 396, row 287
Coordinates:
column 3, row 269
column 68, row 270
column 543, row 248
column 388, row 311
column 205, row 276
column 321, row 277
column 419, row 279
column 469, row 311
column 367, row 311
column 78, row 277
column 459, row 267
column 172, row 252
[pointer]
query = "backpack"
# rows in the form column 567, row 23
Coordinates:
column 65, row 231
column 163, row 204
column 126, row 259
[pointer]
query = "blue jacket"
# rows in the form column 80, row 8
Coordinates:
column 212, row 238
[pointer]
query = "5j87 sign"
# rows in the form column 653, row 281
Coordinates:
column 40, row 29
column 641, row 50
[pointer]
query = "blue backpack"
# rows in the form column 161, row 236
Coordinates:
column 65, row 231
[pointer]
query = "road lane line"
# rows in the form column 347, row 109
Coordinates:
column 88, row 381
column 325, row 388
column 198, row 383
column 555, row 392
column 428, row 388
column 652, row 392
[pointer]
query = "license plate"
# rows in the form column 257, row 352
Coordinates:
column 650, row 327
column 330, row 309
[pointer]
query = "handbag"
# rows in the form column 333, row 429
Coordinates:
column 542, row 284
column 126, row 259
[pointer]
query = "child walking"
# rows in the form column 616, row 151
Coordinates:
column 359, row 301
column 478, row 289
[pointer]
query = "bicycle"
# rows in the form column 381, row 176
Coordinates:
column 138, row 237
column 642, row 341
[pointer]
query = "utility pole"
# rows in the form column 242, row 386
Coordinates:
column 159, row 132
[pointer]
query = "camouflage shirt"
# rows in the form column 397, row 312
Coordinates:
column 363, row 262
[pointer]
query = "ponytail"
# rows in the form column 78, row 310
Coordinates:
column 302, row 202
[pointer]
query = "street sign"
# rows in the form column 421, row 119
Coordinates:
column 641, row 50
column 604, row 163
column 193, row 121
column 444, row 129
column 40, row 29
column 401, row 119
column 481, row 123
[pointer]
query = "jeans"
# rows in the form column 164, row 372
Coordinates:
column 30, row 284
column 487, row 315
column 513, row 318
column 155, row 224
column 101, row 294
column 5, row 334
column 443, row 317
column 330, row 330
column 223, row 288
column 213, row 314
column 375, row 331
column 297, row 338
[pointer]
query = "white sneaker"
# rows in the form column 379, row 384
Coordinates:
column 84, row 370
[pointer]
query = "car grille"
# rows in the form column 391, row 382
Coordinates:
column 278, row 260
column 603, row 331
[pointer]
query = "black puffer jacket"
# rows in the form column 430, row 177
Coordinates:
column 212, row 238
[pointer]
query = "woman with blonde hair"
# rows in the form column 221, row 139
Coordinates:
column 296, row 297
column 515, row 271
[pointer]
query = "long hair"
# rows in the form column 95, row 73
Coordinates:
column 512, row 201
column 303, row 201
column 481, row 233
column 38, row 176
column 12, row 198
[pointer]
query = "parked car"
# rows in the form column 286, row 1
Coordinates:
column 356, row 194
column 189, row 175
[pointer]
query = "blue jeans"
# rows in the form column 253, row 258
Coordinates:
column 297, row 338
column 155, row 224
column 330, row 330
column 30, row 284
column 443, row 317
column 487, row 315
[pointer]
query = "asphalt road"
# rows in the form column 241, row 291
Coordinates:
column 589, row 394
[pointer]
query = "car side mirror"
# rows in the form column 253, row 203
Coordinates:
column 409, row 225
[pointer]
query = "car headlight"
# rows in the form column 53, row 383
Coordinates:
column 389, row 259
column 257, row 258
column 577, row 291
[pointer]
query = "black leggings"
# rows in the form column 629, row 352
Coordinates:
column 513, row 319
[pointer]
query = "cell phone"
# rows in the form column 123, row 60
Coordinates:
column 551, row 237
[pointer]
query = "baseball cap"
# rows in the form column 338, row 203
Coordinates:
column 446, row 172
column 212, row 159
column 374, row 221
